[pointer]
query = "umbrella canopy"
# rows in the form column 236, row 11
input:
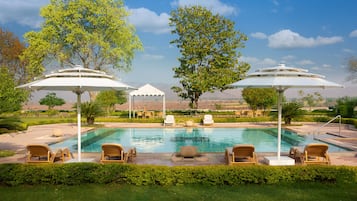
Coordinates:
column 281, row 78
column 77, row 80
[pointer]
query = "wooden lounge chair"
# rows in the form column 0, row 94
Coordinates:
column 208, row 119
column 41, row 153
column 169, row 120
column 243, row 154
column 115, row 153
column 313, row 154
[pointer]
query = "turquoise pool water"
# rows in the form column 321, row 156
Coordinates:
column 161, row 140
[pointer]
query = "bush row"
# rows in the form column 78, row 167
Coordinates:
column 81, row 173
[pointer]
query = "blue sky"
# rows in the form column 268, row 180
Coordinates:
column 318, row 35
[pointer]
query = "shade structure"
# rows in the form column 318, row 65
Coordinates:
column 281, row 78
column 77, row 80
column 147, row 90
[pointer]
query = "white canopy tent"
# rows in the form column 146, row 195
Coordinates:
column 146, row 90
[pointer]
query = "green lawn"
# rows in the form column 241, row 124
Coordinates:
column 313, row 192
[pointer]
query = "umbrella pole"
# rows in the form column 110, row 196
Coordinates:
column 280, row 97
column 79, row 125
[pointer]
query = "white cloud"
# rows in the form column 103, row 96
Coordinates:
column 288, row 58
column 152, row 57
column 306, row 62
column 258, row 63
column 348, row 50
column 215, row 6
column 259, row 35
column 148, row 21
column 353, row 33
column 22, row 12
column 287, row 39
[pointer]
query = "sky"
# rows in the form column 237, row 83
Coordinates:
column 317, row 35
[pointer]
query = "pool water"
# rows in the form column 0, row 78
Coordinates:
column 161, row 140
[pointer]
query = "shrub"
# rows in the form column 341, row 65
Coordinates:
column 81, row 173
column 11, row 124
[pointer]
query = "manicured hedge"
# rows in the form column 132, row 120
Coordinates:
column 80, row 173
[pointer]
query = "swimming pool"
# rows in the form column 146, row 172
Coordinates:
column 161, row 140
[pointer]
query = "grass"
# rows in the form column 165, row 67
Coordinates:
column 309, row 191
column 6, row 153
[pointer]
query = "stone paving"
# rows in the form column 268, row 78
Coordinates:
column 44, row 134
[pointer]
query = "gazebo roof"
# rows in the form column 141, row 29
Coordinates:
column 147, row 90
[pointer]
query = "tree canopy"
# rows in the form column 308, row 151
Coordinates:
column 260, row 98
column 10, row 50
column 208, row 45
column 12, row 72
column 10, row 97
column 51, row 100
column 94, row 34
column 108, row 99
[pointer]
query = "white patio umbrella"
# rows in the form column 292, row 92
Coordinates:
column 77, row 80
column 282, row 78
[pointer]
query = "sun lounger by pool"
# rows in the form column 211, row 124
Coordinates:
column 115, row 153
column 243, row 154
column 41, row 153
column 208, row 119
column 169, row 120
column 312, row 154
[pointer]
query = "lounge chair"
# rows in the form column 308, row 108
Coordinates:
column 41, row 153
column 208, row 119
column 313, row 154
column 188, row 152
column 169, row 120
column 115, row 153
column 243, row 154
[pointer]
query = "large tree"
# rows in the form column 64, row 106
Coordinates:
column 260, row 98
column 108, row 99
column 11, row 99
column 95, row 34
column 10, row 50
column 208, row 45
column 12, row 72
column 51, row 100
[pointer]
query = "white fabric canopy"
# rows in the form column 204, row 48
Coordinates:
column 281, row 78
column 146, row 90
column 78, row 80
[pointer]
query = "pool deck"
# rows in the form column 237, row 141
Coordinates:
column 44, row 134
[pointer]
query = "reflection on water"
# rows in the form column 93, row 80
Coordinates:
column 159, row 140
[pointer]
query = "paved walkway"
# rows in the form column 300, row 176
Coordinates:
column 44, row 134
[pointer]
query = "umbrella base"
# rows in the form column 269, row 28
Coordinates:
column 275, row 161
column 83, row 160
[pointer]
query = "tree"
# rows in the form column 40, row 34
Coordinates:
column 352, row 69
column 91, row 110
column 51, row 100
column 108, row 99
column 311, row 99
column 10, row 50
column 12, row 72
column 209, row 58
column 259, row 98
column 345, row 107
column 95, row 34
column 11, row 99
column 290, row 111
